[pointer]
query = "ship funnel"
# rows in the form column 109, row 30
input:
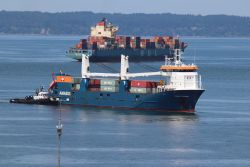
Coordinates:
column 124, row 67
column 85, row 66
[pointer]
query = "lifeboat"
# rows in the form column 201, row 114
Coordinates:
column 188, row 68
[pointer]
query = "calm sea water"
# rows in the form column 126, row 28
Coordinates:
column 218, row 135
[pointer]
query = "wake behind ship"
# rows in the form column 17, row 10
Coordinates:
column 103, row 45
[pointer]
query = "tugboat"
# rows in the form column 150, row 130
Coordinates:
column 41, row 97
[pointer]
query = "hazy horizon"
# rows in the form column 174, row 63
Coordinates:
column 192, row 7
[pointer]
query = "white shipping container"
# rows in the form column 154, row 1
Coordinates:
column 109, row 89
column 140, row 90
column 106, row 82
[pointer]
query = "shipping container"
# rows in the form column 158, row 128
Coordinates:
column 143, row 84
column 76, row 87
column 147, row 43
column 128, row 42
column 109, row 88
column 140, row 90
column 94, row 46
column 143, row 43
column 77, row 80
column 109, row 82
column 78, row 46
column 94, row 82
column 94, row 89
column 152, row 45
column 137, row 42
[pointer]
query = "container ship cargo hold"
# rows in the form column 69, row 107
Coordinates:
column 103, row 45
column 179, row 91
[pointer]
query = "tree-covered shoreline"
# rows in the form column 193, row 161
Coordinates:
column 79, row 23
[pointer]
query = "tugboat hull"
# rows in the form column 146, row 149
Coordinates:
column 32, row 101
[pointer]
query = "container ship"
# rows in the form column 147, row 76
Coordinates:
column 179, row 91
column 103, row 45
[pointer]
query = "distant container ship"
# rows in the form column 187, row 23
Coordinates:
column 103, row 45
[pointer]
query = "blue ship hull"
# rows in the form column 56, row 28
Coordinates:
column 168, row 101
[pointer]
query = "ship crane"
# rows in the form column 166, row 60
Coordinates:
column 125, row 75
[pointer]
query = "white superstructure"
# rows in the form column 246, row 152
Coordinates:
column 104, row 29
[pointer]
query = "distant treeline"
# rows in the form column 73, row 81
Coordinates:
column 75, row 23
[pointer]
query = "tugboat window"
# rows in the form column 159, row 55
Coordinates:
column 101, row 94
column 108, row 94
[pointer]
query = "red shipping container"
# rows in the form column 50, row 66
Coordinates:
column 94, row 82
column 78, row 46
column 144, row 84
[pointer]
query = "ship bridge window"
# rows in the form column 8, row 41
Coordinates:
column 101, row 94
column 189, row 77
column 178, row 58
column 108, row 94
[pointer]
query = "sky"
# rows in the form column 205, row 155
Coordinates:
column 196, row 7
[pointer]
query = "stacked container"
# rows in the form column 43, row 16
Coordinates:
column 137, row 42
column 76, row 84
column 120, row 41
column 95, row 42
column 133, row 42
column 127, row 42
column 83, row 43
column 147, row 43
column 94, row 85
column 143, row 43
column 109, row 85
column 78, row 46
column 99, row 41
column 143, row 86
